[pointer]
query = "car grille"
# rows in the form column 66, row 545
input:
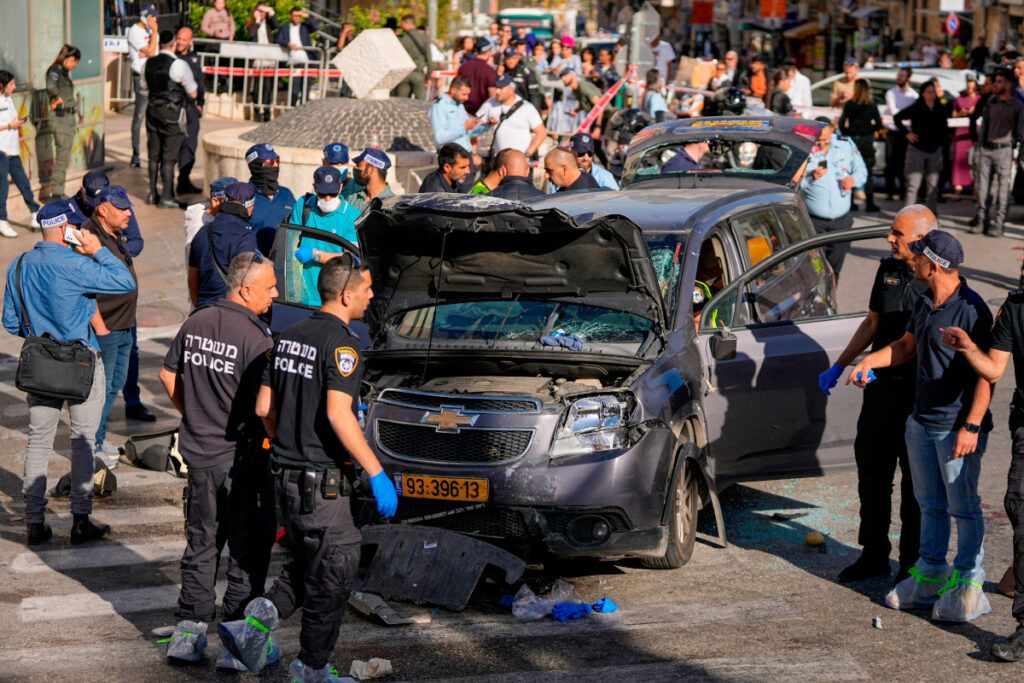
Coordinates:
column 467, row 403
column 423, row 443
column 492, row 522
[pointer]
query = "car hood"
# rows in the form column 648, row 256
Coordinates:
column 797, row 136
column 448, row 248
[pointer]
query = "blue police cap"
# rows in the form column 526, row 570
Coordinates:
column 263, row 151
column 566, row 71
column 93, row 183
column 218, row 186
column 510, row 52
column 54, row 214
column 242, row 193
column 75, row 215
column 336, row 153
column 327, row 180
column 582, row 143
column 374, row 157
column 503, row 81
column 116, row 195
column 149, row 8
column 940, row 247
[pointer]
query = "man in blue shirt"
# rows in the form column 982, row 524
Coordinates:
column 56, row 298
column 834, row 168
column 450, row 120
column 583, row 145
column 323, row 210
column 946, row 433
column 227, row 236
column 273, row 202
column 86, row 199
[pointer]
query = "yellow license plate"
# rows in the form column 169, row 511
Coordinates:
column 441, row 488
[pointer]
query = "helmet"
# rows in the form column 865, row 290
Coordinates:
column 627, row 123
column 735, row 101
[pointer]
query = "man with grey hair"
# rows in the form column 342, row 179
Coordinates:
column 887, row 403
column 212, row 373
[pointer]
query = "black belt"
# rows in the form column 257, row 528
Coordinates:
column 997, row 145
column 292, row 474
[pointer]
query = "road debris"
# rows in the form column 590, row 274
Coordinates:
column 369, row 604
column 374, row 668
column 877, row 622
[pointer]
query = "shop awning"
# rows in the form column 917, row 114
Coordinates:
column 804, row 30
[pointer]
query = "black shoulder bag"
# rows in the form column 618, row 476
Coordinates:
column 49, row 368
column 488, row 164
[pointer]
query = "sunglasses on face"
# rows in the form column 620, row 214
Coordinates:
column 256, row 258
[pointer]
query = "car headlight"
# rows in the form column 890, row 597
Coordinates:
column 599, row 422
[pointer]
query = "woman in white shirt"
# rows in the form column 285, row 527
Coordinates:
column 260, row 28
column 10, row 155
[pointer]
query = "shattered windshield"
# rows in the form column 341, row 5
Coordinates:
column 543, row 323
column 728, row 157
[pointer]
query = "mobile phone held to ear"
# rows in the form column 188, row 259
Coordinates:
column 71, row 236
column 823, row 164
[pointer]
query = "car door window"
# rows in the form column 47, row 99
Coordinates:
column 711, row 308
column 761, row 235
column 296, row 281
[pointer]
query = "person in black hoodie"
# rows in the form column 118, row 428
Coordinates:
column 928, row 133
column 860, row 121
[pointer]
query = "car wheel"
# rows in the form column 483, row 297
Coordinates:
column 682, row 523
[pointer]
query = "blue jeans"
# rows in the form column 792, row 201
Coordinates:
column 947, row 488
column 116, row 348
column 131, row 381
column 12, row 165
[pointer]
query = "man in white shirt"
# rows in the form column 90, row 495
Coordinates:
column 664, row 58
column 800, row 90
column 929, row 52
column 169, row 81
column 897, row 98
column 518, row 123
column 142, row 44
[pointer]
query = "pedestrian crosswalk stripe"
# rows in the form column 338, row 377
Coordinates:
column 100, row 554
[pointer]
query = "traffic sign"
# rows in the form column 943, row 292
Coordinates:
column 952, row 24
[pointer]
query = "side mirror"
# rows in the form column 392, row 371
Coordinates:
column 723, row 345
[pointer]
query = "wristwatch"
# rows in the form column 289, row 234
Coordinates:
column 972, row 428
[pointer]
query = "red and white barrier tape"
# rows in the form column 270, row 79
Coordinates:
column 603, row 102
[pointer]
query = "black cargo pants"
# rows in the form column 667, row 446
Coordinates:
column 322, row 569
column 229, row 505
column 879, row 446
column 1014, row 502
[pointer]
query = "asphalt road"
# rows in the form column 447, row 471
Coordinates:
column 766, row 608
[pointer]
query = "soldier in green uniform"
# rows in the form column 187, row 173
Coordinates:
column 62, row 114
column 417, row 44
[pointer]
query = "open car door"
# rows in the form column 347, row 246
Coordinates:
column 297, row 297
column 764, row 339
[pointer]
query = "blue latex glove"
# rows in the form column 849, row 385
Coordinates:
column 304, row 254
column 827, row 380
column 871, row 377
column 384, row 493
column 605, row 605
column 570, row 610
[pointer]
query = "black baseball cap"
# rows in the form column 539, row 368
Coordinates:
column 582, row 143
column 940, row 247
column 503, row 81
column 327, row 180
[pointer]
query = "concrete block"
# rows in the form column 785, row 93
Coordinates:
column 374, row 63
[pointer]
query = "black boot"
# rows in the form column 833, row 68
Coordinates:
column 37, row 533
column 83, row 530
column 1013, row 649
column 867, row 566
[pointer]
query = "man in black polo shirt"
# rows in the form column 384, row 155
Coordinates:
column 211, row 373
column 216, row 244
column 888, row 402
column 308, row 400
column 115, row 317
column 563, row 171
column 946, row 434
column 453, row 168
column 1007, row 340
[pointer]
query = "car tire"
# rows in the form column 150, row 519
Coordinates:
column 682, row 523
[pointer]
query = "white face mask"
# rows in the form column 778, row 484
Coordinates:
column 328, row 205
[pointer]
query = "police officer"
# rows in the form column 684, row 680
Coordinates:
column 833, row 170
column 212, row 372
column 273, row 202
column 170, row 82
column 370, row 172
column 308, row 401
column 888, row 400
column 217, row 244
column 524, row 78
column 336, row 155
column 62, row 112
column 185, row 50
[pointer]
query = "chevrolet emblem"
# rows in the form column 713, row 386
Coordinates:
column 449, row 420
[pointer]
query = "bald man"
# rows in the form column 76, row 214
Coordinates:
column 516, row 177
column 888, row 402
column 562, row 169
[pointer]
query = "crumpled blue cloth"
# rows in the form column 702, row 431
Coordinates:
column 605, row 605
column 564, row 611
column 506, row 601
column 569, row 341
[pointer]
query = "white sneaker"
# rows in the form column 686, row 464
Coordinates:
column 6, row 230
column 35, row 221
column 110, row 455
column 915, row 591
column 961, row 601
